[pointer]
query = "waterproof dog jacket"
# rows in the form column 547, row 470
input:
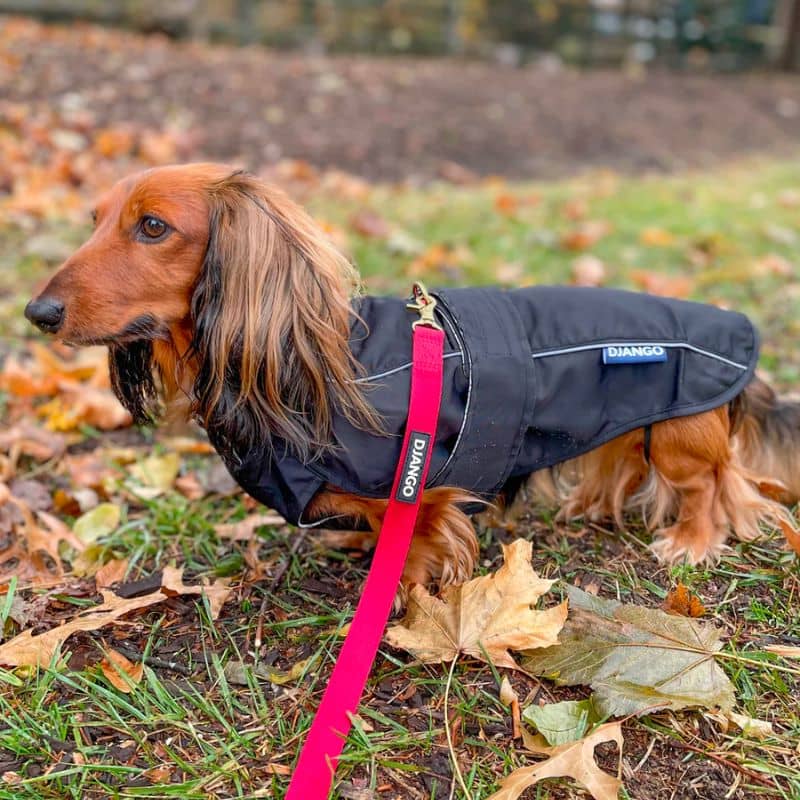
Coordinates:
column 532, row 377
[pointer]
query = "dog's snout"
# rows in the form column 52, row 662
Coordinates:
column 46, row 314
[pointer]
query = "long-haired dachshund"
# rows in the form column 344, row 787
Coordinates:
column 214, row 290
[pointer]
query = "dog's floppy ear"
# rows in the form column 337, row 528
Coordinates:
column 271, row 314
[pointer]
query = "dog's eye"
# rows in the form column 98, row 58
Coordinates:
column 153, row 227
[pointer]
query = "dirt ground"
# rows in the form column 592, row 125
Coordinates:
column 396, row 119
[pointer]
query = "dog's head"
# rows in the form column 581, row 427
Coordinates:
column 205, row 281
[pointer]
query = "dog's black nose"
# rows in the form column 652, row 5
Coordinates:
column 46, row 314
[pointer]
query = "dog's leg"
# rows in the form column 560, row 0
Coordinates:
column 692, row 455
column 608, row 476
column 444, row 548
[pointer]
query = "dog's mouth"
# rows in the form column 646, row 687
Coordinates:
column 145, row 327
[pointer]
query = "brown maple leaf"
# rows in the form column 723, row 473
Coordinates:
column 485, row 618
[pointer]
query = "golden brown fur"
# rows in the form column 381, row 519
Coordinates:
column 768, row 440
column 241, row 314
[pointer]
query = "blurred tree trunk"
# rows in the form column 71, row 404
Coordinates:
column 246, row 21
column 453, row 29
column 791, row 39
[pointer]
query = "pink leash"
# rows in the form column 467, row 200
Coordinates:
column 316, row 766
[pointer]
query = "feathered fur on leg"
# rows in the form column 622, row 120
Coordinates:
column 444, row 548
column 696, row 480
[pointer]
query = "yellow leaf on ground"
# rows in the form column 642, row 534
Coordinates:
column 656, row 237
column 80, row 404
column 572, row 760
column 102, row 520
column 157, row 472
column 120, row 672
column 486, row 617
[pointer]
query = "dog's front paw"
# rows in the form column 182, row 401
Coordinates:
column 681, row 544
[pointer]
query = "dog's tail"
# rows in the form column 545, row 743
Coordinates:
column 766, row 437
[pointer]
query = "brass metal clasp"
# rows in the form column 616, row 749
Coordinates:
column 424, row 303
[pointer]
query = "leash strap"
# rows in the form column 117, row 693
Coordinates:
column 316, row 766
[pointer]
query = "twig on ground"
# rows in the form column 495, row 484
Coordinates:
column 753, row 776
column 153, row 661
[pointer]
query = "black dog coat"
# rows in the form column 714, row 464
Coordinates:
column 532, row 377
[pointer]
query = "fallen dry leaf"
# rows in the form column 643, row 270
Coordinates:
column 29, row 650
column 635, row 659
column 216, row 593
column 247, row 527
column 585, row 235
column 39, row 650
column 80, row 404
column 783, row 650
column 510, row 699
column 102, row 520
column 573, row 760
column 239, row 673
column 370, row 224
column 510, row 272
column 111, row 572
column 86, row 470
column 33, row 553
column 185, row 445
column 190, row 487
column 682, row 602
column 19, row 381
column 157, row 472
column 754, row 728
column 656, row 237
column 679, row 286
column 484, row 618
column 774, row 264
column 441, row 259
column 120, row 672
column 506, row 204
column 28, row 440
column 792, row 536
column 159, row 776
column 575, row 209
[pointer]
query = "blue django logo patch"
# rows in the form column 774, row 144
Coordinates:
column 634, row 354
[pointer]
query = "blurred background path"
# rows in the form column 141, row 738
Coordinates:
column 390, row 118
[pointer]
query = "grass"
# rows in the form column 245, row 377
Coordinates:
column 195, row 729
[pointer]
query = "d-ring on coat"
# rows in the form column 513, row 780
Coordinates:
column 532, row 377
